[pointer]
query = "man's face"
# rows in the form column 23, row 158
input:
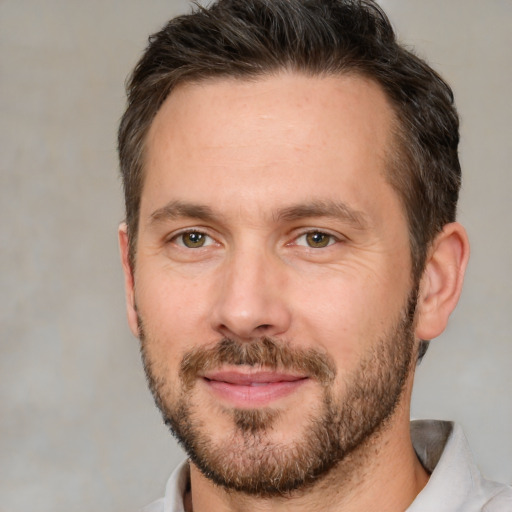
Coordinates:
column 273, row 277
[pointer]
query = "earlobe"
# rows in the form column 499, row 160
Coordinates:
column 128, row 279
column 441, row 282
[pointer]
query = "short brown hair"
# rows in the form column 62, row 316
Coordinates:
column 250, row 38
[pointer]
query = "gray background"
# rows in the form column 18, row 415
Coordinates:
column 78, row 430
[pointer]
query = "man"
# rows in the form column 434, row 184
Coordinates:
column 291, row 179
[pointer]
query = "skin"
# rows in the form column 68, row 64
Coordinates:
column 253, row 154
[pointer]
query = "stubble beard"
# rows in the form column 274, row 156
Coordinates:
column 248, row 460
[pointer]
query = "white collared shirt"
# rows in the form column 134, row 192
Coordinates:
column 455, row 484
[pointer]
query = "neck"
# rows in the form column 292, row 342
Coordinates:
column 382, row 475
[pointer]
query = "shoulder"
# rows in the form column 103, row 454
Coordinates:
column 156, row 506
column 455, row 482
column 501, row 501
column 175, row 490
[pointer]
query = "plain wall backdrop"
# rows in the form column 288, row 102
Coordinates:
column 78, row 429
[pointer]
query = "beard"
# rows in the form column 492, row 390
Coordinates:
column 248, row 459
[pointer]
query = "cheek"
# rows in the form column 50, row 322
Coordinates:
column 348, row 312
column 337, row 321
column 165, row 298
column 174, row 316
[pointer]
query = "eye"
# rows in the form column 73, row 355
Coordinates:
column 192, row 239
column 316, row 239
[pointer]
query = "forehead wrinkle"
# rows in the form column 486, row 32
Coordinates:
column 323, row 208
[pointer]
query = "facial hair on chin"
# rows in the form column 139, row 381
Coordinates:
column 248, row 460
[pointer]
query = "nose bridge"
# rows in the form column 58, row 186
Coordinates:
column 251, row 302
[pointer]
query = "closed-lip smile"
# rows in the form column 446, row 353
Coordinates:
column 250, row 389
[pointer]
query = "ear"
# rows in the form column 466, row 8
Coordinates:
column 128, row 279
column 441, row 282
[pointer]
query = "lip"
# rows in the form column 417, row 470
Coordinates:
column 252, row 389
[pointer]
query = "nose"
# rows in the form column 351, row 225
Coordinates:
column 251, row 299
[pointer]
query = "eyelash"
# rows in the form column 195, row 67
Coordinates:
column 331, row 239
column 202, row 235
column 179, row 237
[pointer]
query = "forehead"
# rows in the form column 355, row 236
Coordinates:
column 279, row 133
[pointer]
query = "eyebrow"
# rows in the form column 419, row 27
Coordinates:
column 179, row 209
column 322, row 208
column 333, row 209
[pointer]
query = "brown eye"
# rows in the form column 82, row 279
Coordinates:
column 193, row 239
column 318, row 240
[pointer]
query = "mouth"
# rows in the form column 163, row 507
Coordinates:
column 250, row 389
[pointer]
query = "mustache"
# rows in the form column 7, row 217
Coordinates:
column 264, row 352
